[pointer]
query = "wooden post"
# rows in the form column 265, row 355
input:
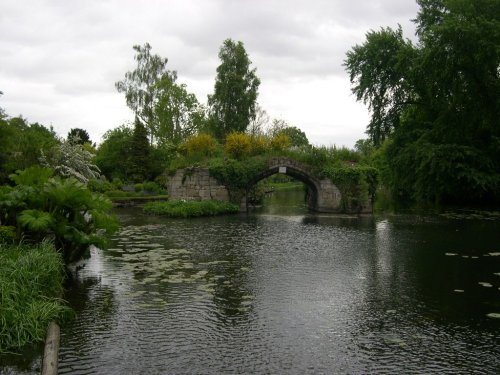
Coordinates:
column 51, row 351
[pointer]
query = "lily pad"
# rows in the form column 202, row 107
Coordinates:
column 458, row 290
column 485, row 284
column 450, row 254
column 493, row 315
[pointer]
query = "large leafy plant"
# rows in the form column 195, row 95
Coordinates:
column 64, row 210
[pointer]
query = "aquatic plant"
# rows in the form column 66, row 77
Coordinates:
column 190, row 208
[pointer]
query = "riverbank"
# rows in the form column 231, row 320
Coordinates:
column 31, row 283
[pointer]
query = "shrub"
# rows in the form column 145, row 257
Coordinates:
column 117, row 183
column 238, row 145
column 7, row 234
column 99, row 185
column 63, row 210
column 153, row 187
column 280, row 142
column 259, row 144
column 203, row 145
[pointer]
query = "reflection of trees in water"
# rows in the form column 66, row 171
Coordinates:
column 227, row 264
column 92, row 302
column 28, row 360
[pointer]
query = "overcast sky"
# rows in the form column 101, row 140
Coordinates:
column 59, row 59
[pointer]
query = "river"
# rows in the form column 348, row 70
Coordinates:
column 283, row 291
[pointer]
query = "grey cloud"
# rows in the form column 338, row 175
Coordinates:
column 76, row 50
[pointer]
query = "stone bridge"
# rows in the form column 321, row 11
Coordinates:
column 197, row 184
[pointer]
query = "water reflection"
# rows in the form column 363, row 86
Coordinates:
column 297, row 293
column 289, row 293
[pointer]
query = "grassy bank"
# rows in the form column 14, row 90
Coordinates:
column 31, row 283
column 190, row 208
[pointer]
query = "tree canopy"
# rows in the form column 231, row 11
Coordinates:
column 168, row 111
column 436, row 103
column 77, row 135
column 233, row 103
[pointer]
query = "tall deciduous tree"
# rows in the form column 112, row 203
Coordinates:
column 178, row 112
column 232, row 106
column 113, row 153
column 141, row 86
column 436, row 101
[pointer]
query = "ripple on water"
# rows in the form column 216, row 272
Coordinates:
column 283, row 295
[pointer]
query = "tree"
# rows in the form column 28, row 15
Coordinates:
column 142, row 85
column 139, row 153
column 178, row 113
column 70, row 159
column 22, row 144
column 113, row 153
column 77, row 135
column 436, row 101
column 232, row 106
column 379, row 71
column 297, row 137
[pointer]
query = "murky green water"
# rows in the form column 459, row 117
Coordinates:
column 281, row 291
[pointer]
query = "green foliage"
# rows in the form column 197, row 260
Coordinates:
column 143, row 85
column 296, row 136
column 7, row 234
column 77, row 135
column 139, row 154
column 357, row 184
column 378, row 70
column 32, row 176
column 113, row 153
column 63, row 210
column 179, row 114
column 437, row 101
column 99, row 185
column 237, row 174
column 31, row 283
column 35, row 220
column 153, row 187
column 232, row 106
column 22, row 144
column 191, row 208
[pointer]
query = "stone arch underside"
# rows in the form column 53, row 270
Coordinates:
column 323, row 195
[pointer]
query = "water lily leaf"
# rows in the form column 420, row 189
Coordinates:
column 450, row 254
column 493, row 315
column 485, row 284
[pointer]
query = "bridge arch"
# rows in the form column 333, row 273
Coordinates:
column 322, row 195
column 198, row 183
